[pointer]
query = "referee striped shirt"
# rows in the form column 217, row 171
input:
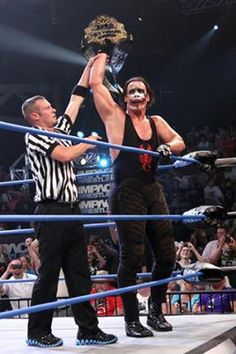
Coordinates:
column 54, row 180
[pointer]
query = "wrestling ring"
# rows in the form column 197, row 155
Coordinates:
column 192, row 333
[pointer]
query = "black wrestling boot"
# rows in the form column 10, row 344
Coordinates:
column 136, row 329
column 156, row 320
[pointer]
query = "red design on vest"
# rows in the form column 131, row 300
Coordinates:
column 145, row 159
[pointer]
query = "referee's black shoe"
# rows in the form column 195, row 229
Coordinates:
column 46, row 341
column 95, row 338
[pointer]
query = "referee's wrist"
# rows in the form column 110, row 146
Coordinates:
column 79, row 90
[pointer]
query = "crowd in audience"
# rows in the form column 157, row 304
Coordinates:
column 213, row 245
column 185, row 192
column 182, row 297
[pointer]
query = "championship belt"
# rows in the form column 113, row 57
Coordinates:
column 105, row 34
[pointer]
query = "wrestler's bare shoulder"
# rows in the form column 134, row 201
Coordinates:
column 158, row 120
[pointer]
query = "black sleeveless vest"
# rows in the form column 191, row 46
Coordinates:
column 132, row 165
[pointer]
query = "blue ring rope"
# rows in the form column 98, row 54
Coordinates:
column 16, row 232
column 93, row 277
column 21, row 218
column 24, row 129
column 30, row 231
column 79, row 175
column 16, row 182
column 83, row 298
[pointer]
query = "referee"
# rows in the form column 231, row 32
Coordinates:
column 61, row 244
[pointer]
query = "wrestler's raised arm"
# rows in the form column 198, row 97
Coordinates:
column 105, row 105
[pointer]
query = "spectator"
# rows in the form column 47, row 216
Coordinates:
column 33, row 250
column 96, row 261
column 172, row 287
column 195, row 255
column 26, row 264
column 204, row 143
column 185, row 303
column 17, row 290
column 4, row 256
column 185, row 251
column 33, row 247
column 108, row 254
column 218, row 302
column 28, row 241
column 228, row 257
column 195, row 191
column 199, row 240
column 213, row 250
column 106, row 306
column 229, row 193
column 213, row 194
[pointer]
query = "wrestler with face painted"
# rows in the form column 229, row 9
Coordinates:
column 137, row 190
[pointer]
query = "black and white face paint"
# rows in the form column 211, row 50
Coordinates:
column 136, row 98
column 136, row 94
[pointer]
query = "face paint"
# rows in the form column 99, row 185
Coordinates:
column 136, row 94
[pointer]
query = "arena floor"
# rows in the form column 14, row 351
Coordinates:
column 192, row 334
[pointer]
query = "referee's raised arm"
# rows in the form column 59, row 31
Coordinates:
column 79, row 92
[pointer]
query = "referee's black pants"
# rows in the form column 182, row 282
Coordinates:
column 61, row 245
column 133, row 196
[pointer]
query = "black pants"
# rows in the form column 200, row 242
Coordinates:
column 135, row 197
column 61, row 245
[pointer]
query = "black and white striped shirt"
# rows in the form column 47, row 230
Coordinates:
column 54, row 180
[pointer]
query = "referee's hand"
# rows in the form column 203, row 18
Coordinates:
column 93, row 137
